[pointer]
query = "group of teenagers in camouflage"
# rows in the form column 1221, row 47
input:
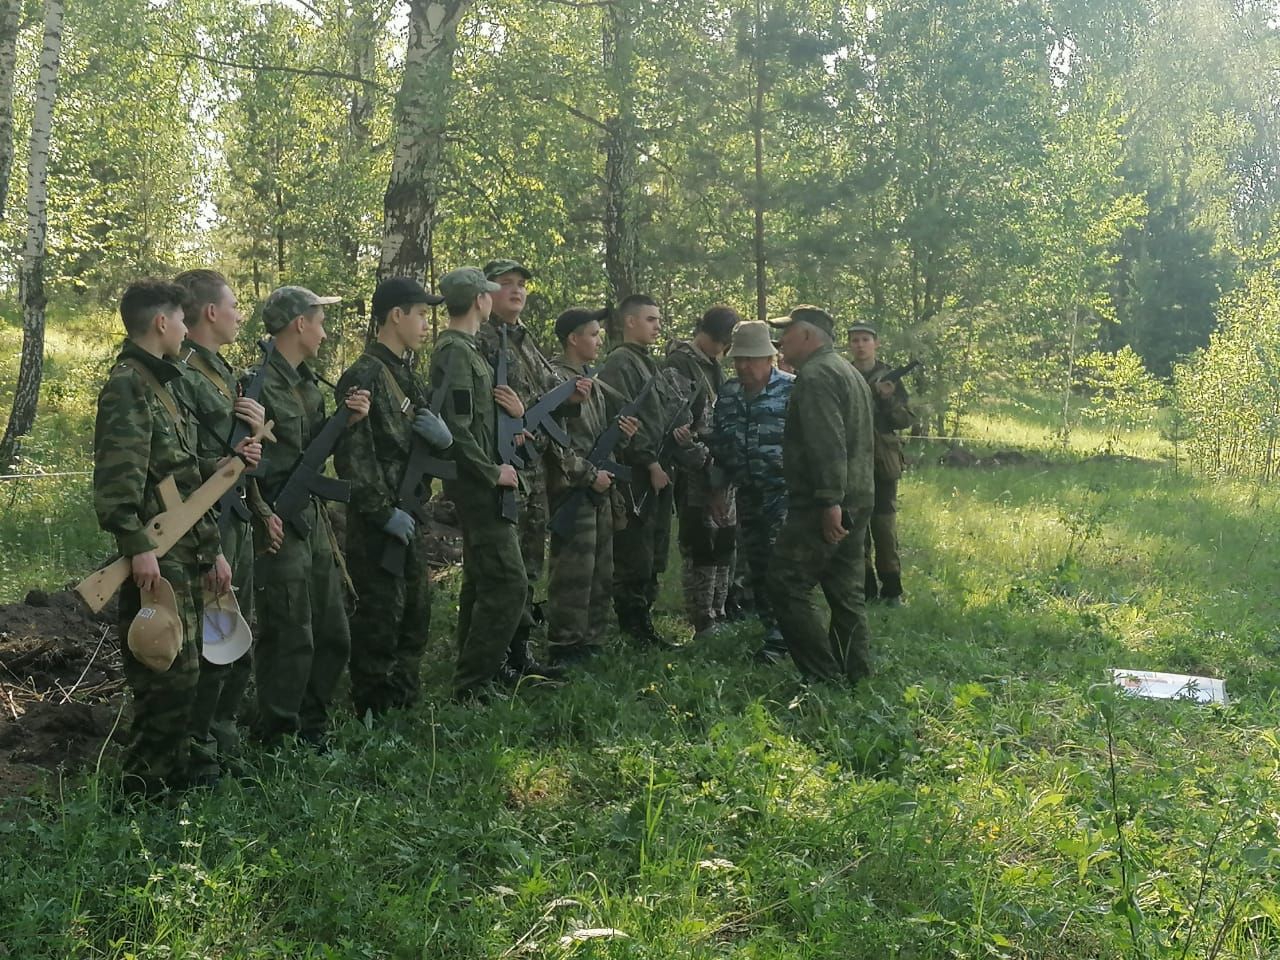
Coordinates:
column 782, row 477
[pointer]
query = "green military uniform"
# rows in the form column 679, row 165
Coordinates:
column 529, row 375
column 208, row 387
column 891, row 415
column 304, row 640
column 392, row 613
column 581, row 576
column 827, row 460
column 140, row 437
column 640, row 548
column 494, row 582
column 706, row 541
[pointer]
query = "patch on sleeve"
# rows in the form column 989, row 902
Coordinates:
column 462, row 402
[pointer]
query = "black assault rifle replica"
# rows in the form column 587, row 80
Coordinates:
column 306, row 479
column 601, row 457
column 415, row 488
column 232, row 502
column 682, row 415
column 897, row 373
column 537, row 417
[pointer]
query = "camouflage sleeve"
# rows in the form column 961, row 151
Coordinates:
column 356, row 459
column 451, row 371
column 191, row 398
column 894, row 409
column 817, row 404
column 121, row 454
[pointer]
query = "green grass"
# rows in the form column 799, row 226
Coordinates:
column 984, row 796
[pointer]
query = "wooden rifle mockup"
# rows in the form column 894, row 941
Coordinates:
column 170, row 525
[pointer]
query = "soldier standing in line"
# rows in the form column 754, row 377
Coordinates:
column 750, row 417
column 827, row 454
column 640, row 548
column 140, row 437
column 392, row 616
column 494, row 582
column 892, row 414
column 704, row 501
column 304, row 637
column 530, row 375
column 581, row 576
column 209, row 388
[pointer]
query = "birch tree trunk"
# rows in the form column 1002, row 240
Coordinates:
column 421, row 116
column 31, row 292
column 621, row 242
column 9, row 12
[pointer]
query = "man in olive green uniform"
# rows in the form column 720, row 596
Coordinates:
column 581, row 575
column 141, row 436
column 494, row 583
column 704, row 499
column 209, row 389
column 304, row 640
column 827, row 459
column 640, row 548
column 530, row 375
column 392, row 614
column 892, row 414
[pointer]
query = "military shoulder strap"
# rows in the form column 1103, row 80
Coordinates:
column 394, row 388
column 201, row 363
column 155, row 386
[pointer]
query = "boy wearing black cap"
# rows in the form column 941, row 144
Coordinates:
column 392, row 616
column 581, row 577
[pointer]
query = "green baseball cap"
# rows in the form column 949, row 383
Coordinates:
column 808, row 314
column 285, row 304
column 496, row 268
column 460, row 287
column 863, row 328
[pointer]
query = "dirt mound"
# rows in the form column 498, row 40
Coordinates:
column 61, row 687
column 960, row 457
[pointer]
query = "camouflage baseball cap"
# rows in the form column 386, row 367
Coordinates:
column 808, row 314
column 496, row 268
column 460, row 287
column 863, row 328
column 285, row 304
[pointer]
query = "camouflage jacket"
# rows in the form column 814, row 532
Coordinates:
column 528, row 371
column 583, row 422
column 137, row 442
column 627, row 369
column 293, row 400
column 828, row 440
column 747, row 438
column 209, row 387
column 697, row 471
column 371, row 454
column 459, row 369
column 892, row 414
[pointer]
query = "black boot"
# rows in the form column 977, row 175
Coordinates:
column 891, row 590
column 520, row 659
column 872, row 588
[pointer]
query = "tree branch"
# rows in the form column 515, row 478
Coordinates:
column 271, row 68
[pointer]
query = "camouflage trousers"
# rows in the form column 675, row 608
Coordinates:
column 304, row 639
column 492, row 599
column 533, row 550
column 706, row 550
column 882, row 532
column 639, row 558
column 581, row 578
column 158, row 751
column 841, row 646
column 390, row 623
column 761, row 514
column 220, row 692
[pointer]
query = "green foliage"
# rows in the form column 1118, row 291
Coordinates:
column 1122, row 394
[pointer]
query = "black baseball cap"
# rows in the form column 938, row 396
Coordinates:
column 401, row 292
column 573, row 319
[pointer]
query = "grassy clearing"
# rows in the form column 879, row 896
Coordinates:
column 984, row 796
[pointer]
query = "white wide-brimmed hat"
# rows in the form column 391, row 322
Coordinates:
column 226, row 634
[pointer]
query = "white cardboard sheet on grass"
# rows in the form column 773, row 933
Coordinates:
column 1170, row 686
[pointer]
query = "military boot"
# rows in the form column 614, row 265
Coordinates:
column 872, row 587
column 891, row 589
column 521, row 661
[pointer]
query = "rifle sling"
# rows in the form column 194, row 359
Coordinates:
column 201, row 363
column 156, row 387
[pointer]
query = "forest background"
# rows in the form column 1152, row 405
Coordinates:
column 1075, row 200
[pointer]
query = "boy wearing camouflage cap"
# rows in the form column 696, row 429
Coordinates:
column 142, row 436
column 304, row 639
column 392, row 616
column 494, row 582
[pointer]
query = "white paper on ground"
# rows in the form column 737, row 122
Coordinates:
column 1170, row 686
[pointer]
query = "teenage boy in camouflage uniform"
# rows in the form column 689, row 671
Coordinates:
column 141, row 436
column 581, row 575
column 892, row 414
column 704, row 502
column 750, row 416
column 304, row 639
column 827, row 459
column 640, row 548
column 392, row 614
column 494, row 583
column 209, row 388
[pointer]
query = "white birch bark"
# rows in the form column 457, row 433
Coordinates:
column 9, row 11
